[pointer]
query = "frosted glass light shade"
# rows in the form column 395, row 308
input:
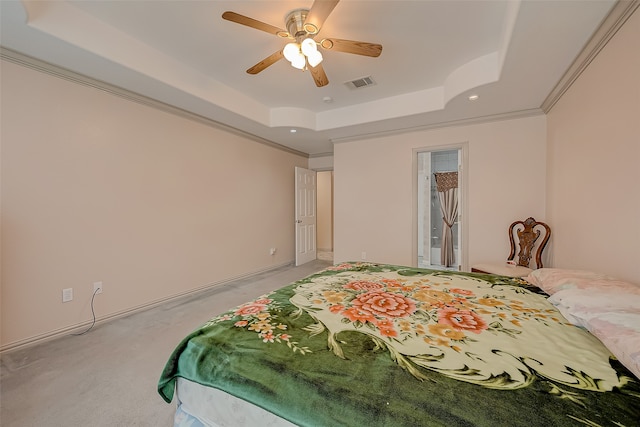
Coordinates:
column 308, row 47
column 315, row 58
column 291, row 51
column 299, row 61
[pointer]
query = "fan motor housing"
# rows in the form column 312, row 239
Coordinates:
column 295, row 24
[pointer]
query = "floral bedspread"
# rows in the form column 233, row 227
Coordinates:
column 381, row 345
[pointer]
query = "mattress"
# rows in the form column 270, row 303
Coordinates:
column 201, row 406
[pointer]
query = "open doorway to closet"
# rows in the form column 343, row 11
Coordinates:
column 325, row 215
column 439, row 205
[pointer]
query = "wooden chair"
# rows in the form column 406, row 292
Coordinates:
column 523, row 236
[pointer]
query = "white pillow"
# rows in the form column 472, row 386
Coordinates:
column 598, row 300
column 611, row 314
column 620, row 333
column 552, row 280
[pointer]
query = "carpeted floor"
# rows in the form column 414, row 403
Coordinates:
column 325, row 255
column 108, row 376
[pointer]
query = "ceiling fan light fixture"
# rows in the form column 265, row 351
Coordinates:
column 291, row 51
column 310, row 28
column 299, row 62
column 302, row 52
column 308, row 46
column 326, row 43
column 315, row 58
column 299, row 54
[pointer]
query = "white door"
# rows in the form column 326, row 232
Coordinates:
column 305, row 215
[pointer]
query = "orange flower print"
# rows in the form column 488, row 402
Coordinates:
column 405, row 326
column 267, row 337
column 263, row 316
column 491, row 302
column 462, row 303
column 241, row 323
column 261, row 326
column 392, row 283
column 354, row 314
column 440, row 342
column 337, row 308
column 433, row 297
column 388, row 332
column 333, row 297
column 249, row 309
column 344, row 266
column 384, row 304
column 386, row 328
column 464, row 292
column 363, row 285
column 462, row 320
column 446, row 331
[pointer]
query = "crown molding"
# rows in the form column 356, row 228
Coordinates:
column 610, row 25
column 66, row 74
column 462, row 122
column 320, row 155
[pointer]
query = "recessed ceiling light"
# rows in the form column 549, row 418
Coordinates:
column 293, row 130
column 327, row 100
column 473, row 97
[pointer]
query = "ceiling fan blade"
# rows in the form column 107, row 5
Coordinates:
column 254, row 23
column 269, row 60
column 351, row 46
column 319, row 76
column 318, row 13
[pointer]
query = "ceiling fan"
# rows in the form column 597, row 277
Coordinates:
column 303, row 25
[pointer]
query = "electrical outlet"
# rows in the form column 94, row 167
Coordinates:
column 67, row 295
column 272, row 251
column 97, row 287
column 363, row 255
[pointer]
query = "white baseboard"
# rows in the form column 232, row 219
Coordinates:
column 56, row 333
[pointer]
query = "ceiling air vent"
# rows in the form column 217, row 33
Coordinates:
column 360, row 83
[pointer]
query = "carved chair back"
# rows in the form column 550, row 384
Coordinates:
column 527, row 233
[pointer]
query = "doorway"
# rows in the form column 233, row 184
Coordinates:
column 325, row 216
column 439, row 209
column 305, row 215
column 314, row 215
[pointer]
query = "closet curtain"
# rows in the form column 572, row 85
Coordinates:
column 447, row 186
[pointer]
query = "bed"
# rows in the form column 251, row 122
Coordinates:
column 384, row 345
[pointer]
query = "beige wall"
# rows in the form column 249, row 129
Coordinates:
column 98, row 188
column 593, row 194
column 324, row 227
column 374, row 191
